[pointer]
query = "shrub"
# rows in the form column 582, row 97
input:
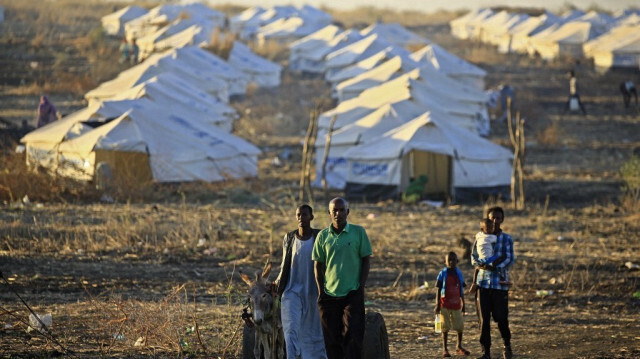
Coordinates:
column 549, row 136
column 18, row 181
column 630, row 172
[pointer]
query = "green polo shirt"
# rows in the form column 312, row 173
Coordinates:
column 342, row 255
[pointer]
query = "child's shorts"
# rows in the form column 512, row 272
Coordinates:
column 452, row 319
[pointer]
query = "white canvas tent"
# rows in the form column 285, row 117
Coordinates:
column 384, row 72
column 41, row 143
column 164, row 95
column 113, row 24
column 368, row 127
column 199, row 76
column 571, row 15
column 352, row 53
column 565, row 40
column 454, row 160
column 494, row 29
column 406, row 87
column 248, row 16
column 366, row 64
column 299, row 48
column 628, row 20
column 517, row 38
column 255, row 19
column 196, row 97
column 285, row 31
column 600, row 20
column 194, row 35
column 459, row 26
column 157, row 41
column 451, row 65
column 259, row 70
column 474, row 25
column 398, row 66
column 620, row 47
column 144, row 142
column 236, row 80
column 163, row 15
column 313, row 60
column 177, row 150
column 315, row 39
column 395, row 34
column 45, row 138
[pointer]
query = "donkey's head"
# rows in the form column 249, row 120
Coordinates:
column 260, row 294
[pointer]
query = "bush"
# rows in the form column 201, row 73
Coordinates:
column 630, row 172
column 18, row 181
column 550, row 135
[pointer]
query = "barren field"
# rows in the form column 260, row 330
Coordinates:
column 164, row 265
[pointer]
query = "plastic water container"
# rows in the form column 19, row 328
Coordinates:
column 573, row 104
column 438, row 324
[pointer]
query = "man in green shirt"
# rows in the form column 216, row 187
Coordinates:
column 341, row 253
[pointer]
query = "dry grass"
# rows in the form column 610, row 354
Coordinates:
column 18, row 181
column 164, row 257
column 549, row 136
column 170, row 324
column 221, row 44
column 272, row 50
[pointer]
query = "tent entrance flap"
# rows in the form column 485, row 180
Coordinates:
column 126, row 167
column 438, row 169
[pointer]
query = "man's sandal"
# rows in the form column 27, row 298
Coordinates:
column 462, row 351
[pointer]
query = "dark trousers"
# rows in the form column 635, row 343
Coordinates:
column 493, row 302
column 343, row 324
column 626, row 95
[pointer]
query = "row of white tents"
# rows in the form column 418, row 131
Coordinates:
column 282, row 24
column 609, row 40
column 173, row 25
column 400, row 115
column 166, row 119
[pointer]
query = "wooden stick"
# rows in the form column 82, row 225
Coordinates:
column 515, row 153
column 327, row 145
column 522, row 146
column 303, row 167
column 311, row 148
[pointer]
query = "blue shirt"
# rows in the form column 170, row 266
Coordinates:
column 491, row 279
column 441, row 281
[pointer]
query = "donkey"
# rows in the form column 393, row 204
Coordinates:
column 269, row 337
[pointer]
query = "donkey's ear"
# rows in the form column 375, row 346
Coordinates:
column 266, row 271
column 245, row 278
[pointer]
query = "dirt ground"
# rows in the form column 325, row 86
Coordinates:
column 167, row 269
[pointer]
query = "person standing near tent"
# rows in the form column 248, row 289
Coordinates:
column 574, row 97
column 628, row 88
column 298, row 291
column 46, row 112
column 342, row 259
column 135, row 50
column 125, row 51
column 492, row 297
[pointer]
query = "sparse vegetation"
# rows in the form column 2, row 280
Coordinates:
column 630, row 172
column 549, row 136
column 161, row 263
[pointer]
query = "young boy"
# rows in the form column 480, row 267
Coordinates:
column 485, row 240
column 450, row 302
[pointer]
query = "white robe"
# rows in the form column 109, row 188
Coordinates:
column 300, row 317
